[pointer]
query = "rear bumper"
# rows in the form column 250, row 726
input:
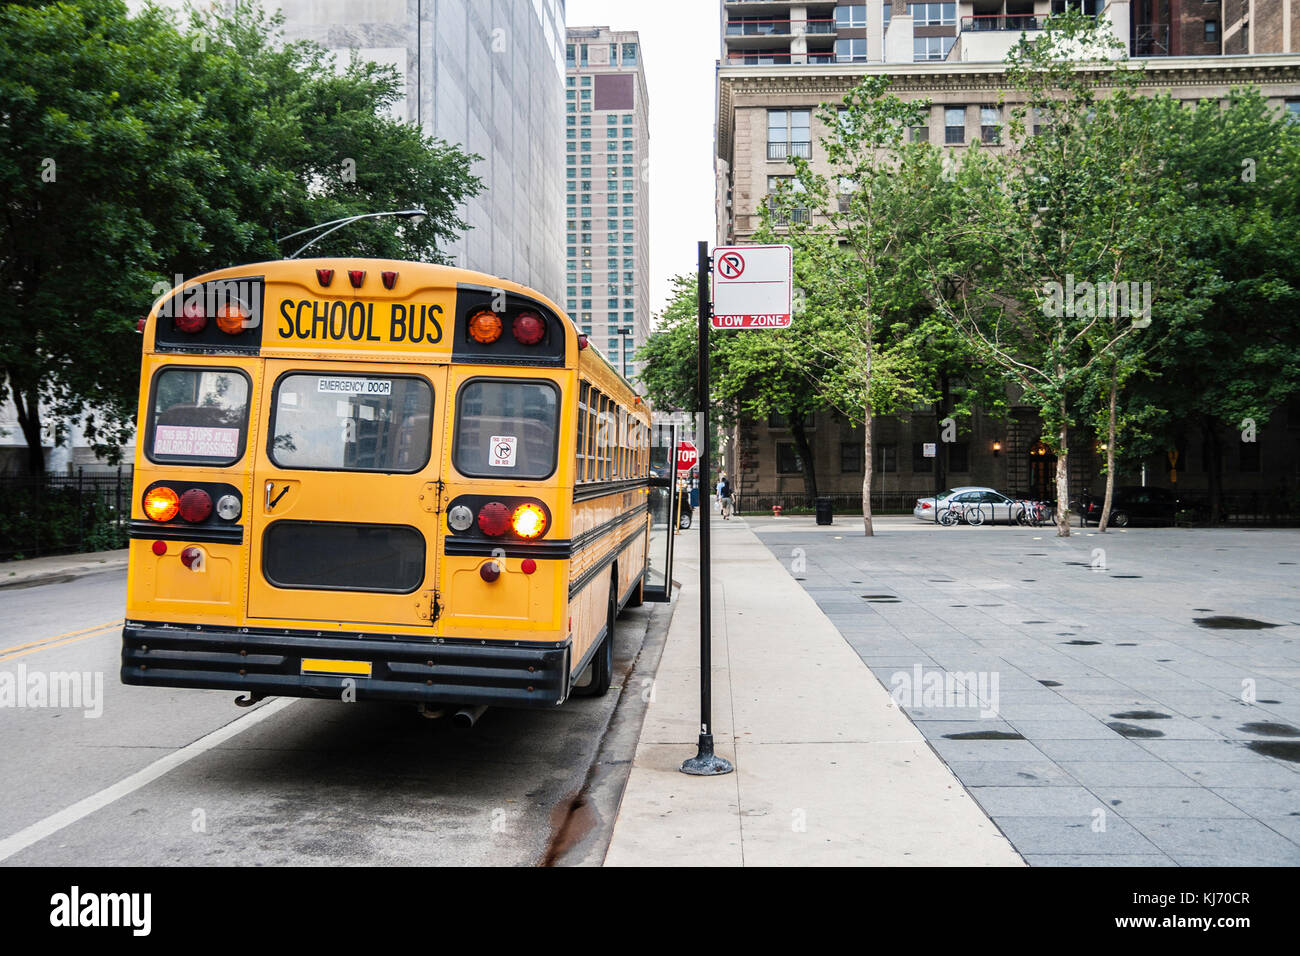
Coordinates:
column 270, row 663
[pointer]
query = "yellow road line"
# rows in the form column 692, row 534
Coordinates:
column 71, row 640
column 55, row 637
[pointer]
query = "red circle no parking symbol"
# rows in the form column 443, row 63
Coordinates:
column 731, row 265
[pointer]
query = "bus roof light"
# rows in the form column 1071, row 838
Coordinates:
column 529, row 328
column 485, row 327
column 192, row 318
column 356, row 277
column 389, row 279
column 325, row 276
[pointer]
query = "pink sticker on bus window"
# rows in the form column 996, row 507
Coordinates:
column 196, row 441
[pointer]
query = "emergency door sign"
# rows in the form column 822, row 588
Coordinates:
column 752, row 287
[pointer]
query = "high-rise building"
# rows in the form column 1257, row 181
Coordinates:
column 488, row 76
column 782, row 60
column 606, row 190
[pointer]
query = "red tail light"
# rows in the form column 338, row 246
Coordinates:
column 494, row 519
column 325, row 276
column 925, row 505
column 195, row 506
column 192, row 317
column 529, row 328
column 389, row 279
column 356, row 277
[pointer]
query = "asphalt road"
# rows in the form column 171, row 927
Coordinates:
column 173, row 777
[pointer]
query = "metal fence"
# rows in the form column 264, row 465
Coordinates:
column 63, row 514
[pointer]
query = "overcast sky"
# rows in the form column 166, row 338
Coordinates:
column 680, row 42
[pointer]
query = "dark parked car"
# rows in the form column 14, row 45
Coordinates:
column 1133, row 504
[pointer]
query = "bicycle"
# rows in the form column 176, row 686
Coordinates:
column 1033, row 514
column 972, row 514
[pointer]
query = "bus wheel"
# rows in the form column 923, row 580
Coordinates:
column 601, row 669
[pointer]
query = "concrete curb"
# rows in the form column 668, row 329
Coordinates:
column 34, row 572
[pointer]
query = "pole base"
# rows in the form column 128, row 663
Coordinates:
column 706, row 763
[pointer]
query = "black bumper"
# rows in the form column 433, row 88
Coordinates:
column 269, row 664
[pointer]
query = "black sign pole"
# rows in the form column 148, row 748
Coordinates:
column 705, row 763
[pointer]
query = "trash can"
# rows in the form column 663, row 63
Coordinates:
column 824, row 512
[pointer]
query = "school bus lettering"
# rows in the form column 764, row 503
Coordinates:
column 339, row 321
column 404, row 327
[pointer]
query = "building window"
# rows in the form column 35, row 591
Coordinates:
column 789, row 133
column 851, row 15
column 1211, row 31
column 783, row 217
column 920, row 134
column 629, row 54
column 954, row 124
column 1293, row 110
column 990, row 124
column 934, row 14
column 885, row 457
column 921, row 465
column 850, row 457
column 852, row 50
column 931, row 48
column 569, row 58
column 787, row 459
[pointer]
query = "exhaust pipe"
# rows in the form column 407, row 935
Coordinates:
column 468, row 716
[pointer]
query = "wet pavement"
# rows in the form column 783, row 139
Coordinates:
column 1130, row 698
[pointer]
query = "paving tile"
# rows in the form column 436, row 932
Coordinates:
column 1075, row 835
column 1010, row 773
column 1061, row 801
column 1116, row 749
column 1166, row 801
column 1117, row 773
column 1065, row 859
column 1259, row 772
column 1263, row 801
column 1193, row 842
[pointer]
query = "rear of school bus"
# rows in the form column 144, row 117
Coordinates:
column 352, row 482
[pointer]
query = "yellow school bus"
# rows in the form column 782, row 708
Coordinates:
column 367, row 479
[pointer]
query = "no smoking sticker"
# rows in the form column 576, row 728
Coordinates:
column 501, row 451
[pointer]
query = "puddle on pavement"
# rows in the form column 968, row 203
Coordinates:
column 1268, row 728
column 1129, row 730
column 1081, row 643
column 985, row 735
column 1281, row 749
column 1142, row 715
column 956, row 605
column 1126, row 575
column 1050, row 683
column 1208, row 610
column 1268, row 702
column 882, row 598
column 1126, row 645
column 941, row 580
column 1029, row 580
column 1035, row 622
column 988, row 605
column 1226, row 622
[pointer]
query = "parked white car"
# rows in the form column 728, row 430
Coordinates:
column 991, row 505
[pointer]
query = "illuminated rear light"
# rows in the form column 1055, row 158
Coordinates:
column 192, row 317
column 161, row 503
column 195, row 506
column 529, row 328
column 356, row 277
column 389, row 279
column 494, row 519
column 925, row 506
column 325, row 276
column 485, row 327
column 231, row 318
column 529, row 521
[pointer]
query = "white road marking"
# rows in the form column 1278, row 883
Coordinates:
column 83, row 808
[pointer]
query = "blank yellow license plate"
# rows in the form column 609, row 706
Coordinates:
column 312, row 665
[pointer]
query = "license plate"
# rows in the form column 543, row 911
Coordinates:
column 351, row 668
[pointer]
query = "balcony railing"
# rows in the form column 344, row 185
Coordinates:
column 762, row 28
column 981, row 24
column 786, row 150
column 1151, row 39
column 785, row 58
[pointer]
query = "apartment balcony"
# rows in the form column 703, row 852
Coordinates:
column 999, row 22
column 786, row 150
column 740, row 29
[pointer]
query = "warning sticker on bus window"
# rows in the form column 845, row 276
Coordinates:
column 196, row 441
column 501, row 451
column 354, row 386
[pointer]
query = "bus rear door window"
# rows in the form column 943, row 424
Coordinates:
column 198, row 416
column 506, row 429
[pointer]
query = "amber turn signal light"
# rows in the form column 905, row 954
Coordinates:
column 485, row 327
column 162, row 503
column 529, row 521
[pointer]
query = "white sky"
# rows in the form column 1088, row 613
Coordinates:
column 680, row 44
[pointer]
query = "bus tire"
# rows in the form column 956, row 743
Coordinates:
column 601, row 667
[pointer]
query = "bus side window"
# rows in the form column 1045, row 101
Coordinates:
column 598, row 436
column 609, row 438
column 581, row 468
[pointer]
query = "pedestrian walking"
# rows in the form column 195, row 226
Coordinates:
column 724, row 497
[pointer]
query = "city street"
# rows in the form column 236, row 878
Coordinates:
column 295, row 781
column 1131, row 698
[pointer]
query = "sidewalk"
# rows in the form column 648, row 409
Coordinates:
column 828, row 772
column 31, row 570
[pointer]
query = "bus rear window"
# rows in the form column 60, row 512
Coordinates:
column 198, row 416
column 506, row 429
column 352, row 422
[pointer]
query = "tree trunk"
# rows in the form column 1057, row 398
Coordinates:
column 27, row 402
column 867, row 463
column 940, row 413
column 800, row 436
column 1110, row 453
column 1214, row 467
column 1063, row 484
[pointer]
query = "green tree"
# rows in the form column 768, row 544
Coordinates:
column 132, row 152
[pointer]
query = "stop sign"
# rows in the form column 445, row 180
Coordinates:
column 687, row 456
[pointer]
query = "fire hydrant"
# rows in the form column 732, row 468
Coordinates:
column 776, row 511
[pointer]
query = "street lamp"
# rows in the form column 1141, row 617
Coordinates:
column 622, row 347
column 416, row 216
